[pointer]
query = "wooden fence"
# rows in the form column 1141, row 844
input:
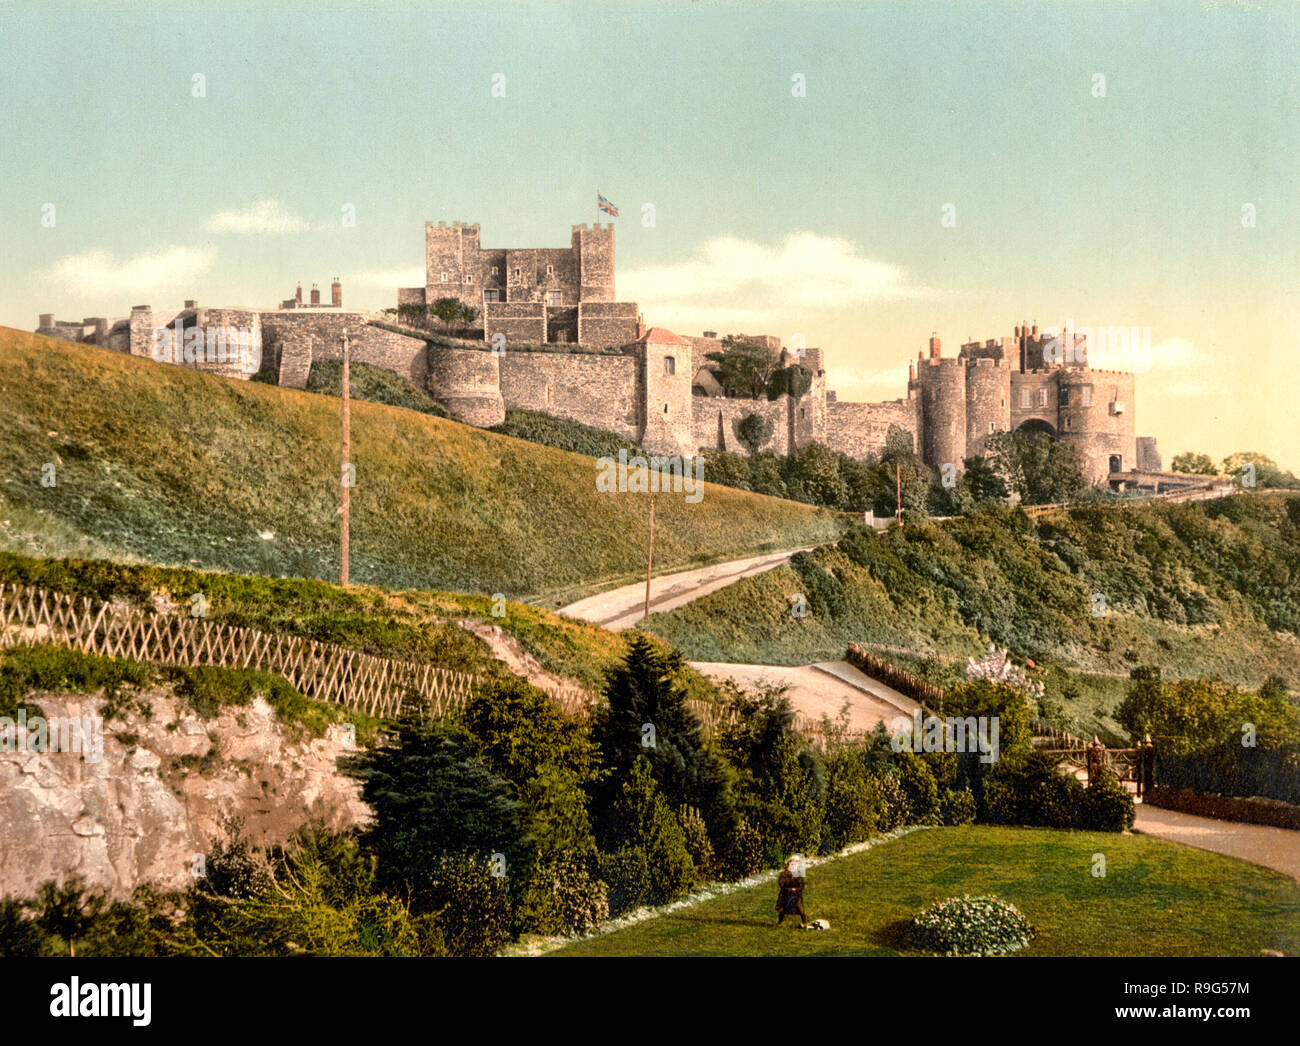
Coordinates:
column 377, row 686
column 913, row 686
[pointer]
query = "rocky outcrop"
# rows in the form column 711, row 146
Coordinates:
column 160, row 795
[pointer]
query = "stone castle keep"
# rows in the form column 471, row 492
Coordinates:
column 568, row 348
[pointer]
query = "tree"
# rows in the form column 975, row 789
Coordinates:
column 753, row 430
column 744, row 369
column 68, row 912
column 1266, row 471
column 449, row 310
column 982, row 481
column 647, row 716
column 813, row 475
column 1039, row 468
column 433, row 798
column 468, row 314
column 1195, row 464
column 794, row 381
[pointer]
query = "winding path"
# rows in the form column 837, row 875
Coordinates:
column 1276, row 848
column 814, row 690
column 620, row 608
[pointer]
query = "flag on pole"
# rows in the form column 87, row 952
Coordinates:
column 606, row 206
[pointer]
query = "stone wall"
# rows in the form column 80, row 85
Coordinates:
column 859, row 429
column 713, row 417
column 519, row 321
column 292, row 339
column 595, row 390
column 604, row 323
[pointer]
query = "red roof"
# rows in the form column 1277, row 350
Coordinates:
column 662, row 336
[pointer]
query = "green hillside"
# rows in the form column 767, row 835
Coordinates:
column 1211, row 587
column 170, row 466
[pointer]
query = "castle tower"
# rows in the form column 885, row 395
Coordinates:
column 594, row 248
column 667, row 409
column 468, row 383
column 988, row 402
column 943, row 409
column 453, row 263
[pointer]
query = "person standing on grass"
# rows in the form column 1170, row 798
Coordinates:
column 789, row 896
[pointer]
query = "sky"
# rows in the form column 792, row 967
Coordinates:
column 780, row 168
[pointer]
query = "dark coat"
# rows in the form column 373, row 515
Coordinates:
column 789, row 897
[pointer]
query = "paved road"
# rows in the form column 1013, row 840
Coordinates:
column 620, row 608
column 1277, row 848
column 821, row 689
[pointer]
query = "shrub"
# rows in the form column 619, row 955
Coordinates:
column 369, row 382
column 563, row 898
column 473, row 910
column 698, row 845
column 744, row 853
column 1107, row 805
column 971, row 926
column 895, row 811
column 854, row 803
column 626, row 874
column 957, row 806
column 1030, row 790
column 919, row 786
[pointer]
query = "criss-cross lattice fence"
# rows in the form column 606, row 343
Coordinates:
column 378, row 686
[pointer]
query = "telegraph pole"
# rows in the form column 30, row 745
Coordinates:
column 345, row 504
column 650, row 559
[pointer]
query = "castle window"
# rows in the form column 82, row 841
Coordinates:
column 444, row 277
column 554, row 297
column 1086, row 393
column 1065, row 397
column 1024, row 398
column 491, row 294
column 670, row 365
column 1042, row 397
column 469, row 277
column 516, row 274
column 990, row 428
column 550, row 270
column 665, row 408
column 496, row 269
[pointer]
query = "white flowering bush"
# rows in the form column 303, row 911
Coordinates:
column 971, row 926
column 996, row 667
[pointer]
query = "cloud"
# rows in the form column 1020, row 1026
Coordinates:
column 731, row 281
column 390, row 278
column 101, row 274
column 265, row 216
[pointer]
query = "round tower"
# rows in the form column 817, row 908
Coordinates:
column 943, row 412
column 468, row 383
column 988, row 402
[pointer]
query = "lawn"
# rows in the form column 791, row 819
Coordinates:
column 1157, row 898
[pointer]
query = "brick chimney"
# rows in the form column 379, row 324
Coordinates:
column 336, row 293
column 934, row 347
column 297, row 297
column 315, row 295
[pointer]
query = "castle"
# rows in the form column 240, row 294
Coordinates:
column 555, row 340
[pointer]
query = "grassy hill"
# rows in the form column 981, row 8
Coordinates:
column 1211, row 587
column 1157, row 898
column 166, row 465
